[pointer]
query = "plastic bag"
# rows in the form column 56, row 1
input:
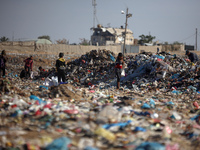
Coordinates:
column 60, row 143
column 31, row 75
column 123, row 73
column 55, row 81
column 51, row 82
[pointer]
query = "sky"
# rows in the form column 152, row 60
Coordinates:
column 167, row 20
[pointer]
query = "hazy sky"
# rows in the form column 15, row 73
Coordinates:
column 168, row 20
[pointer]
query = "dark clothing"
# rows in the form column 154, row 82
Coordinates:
column 27, row 72
column 28, row 67
column 43, row 73
column 60, row 66
column 118, row 75
column 193, row 57
column 3, row 60
column 3, row 70
column 29, row 63
column 22, row 74
column 61, row 75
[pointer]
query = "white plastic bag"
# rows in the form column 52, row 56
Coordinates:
column 55, row 80
column 51, row 82
column 31, row 75
column 123, row 73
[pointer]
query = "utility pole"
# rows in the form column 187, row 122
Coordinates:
column 196, row 40
column 13, row 36
column 127, row 16
column 94, row 13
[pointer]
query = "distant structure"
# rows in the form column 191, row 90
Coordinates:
column 189, row 47
column 94, row 4
column 111, row 36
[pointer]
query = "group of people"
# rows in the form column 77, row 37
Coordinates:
column 60, row 66
column 28, row 67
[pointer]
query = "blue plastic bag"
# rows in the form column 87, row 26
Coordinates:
column 140, row 129
column 169, row 103
column 59, row 144
column 90, row 148
column 146, row 106
column 121, row 124
column 142, row 113
column 112, row 58
column 42, row 86
column 150, row 146
column 37, row 99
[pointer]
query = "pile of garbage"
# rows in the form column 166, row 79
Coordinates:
column 157, row 106
column 91, row 68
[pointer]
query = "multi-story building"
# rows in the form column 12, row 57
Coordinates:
column 111, row 36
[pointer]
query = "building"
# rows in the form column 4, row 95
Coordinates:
column 189, row 47
column 111, row 36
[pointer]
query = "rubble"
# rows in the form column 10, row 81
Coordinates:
column 157, row 106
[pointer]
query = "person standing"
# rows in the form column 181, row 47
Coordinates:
column 118, row 68
column 3, row 60
column 192, row 56
column 60, row 67
column 28, row 66
column 158, row 50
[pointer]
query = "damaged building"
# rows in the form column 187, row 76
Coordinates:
column 111, row 36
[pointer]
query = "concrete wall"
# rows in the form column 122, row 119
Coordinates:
column 131, row 49
column 75, row 49
column 152, row 49
column 31, row 47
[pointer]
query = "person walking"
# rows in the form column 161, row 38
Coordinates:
column 28, row 66
column 3, row 60
column 60, row 67
column 118, row 68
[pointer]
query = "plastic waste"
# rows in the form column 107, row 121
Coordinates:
column 59, row 144
column 109, row 112
column 112, row 58
column 90, row 148
column 37, row 99
column 150, row 146
column 44, row 87
column 196, row 105
column 85, row 142
column 145, row 106
column 140, row 129
column 106, row 134
column 121, row 124
column 176, row 116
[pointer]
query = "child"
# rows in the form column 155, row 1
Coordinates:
column 118, row 68
column 43, row 72
column 28, row 66
column 60, row 66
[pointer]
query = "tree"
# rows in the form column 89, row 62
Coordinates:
column 4, row 39
column 166, row 43
column 73, row 44
column 44, row 37
column 146, row 39
column 63, row 41
column 84, row 41
column 177, row 43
